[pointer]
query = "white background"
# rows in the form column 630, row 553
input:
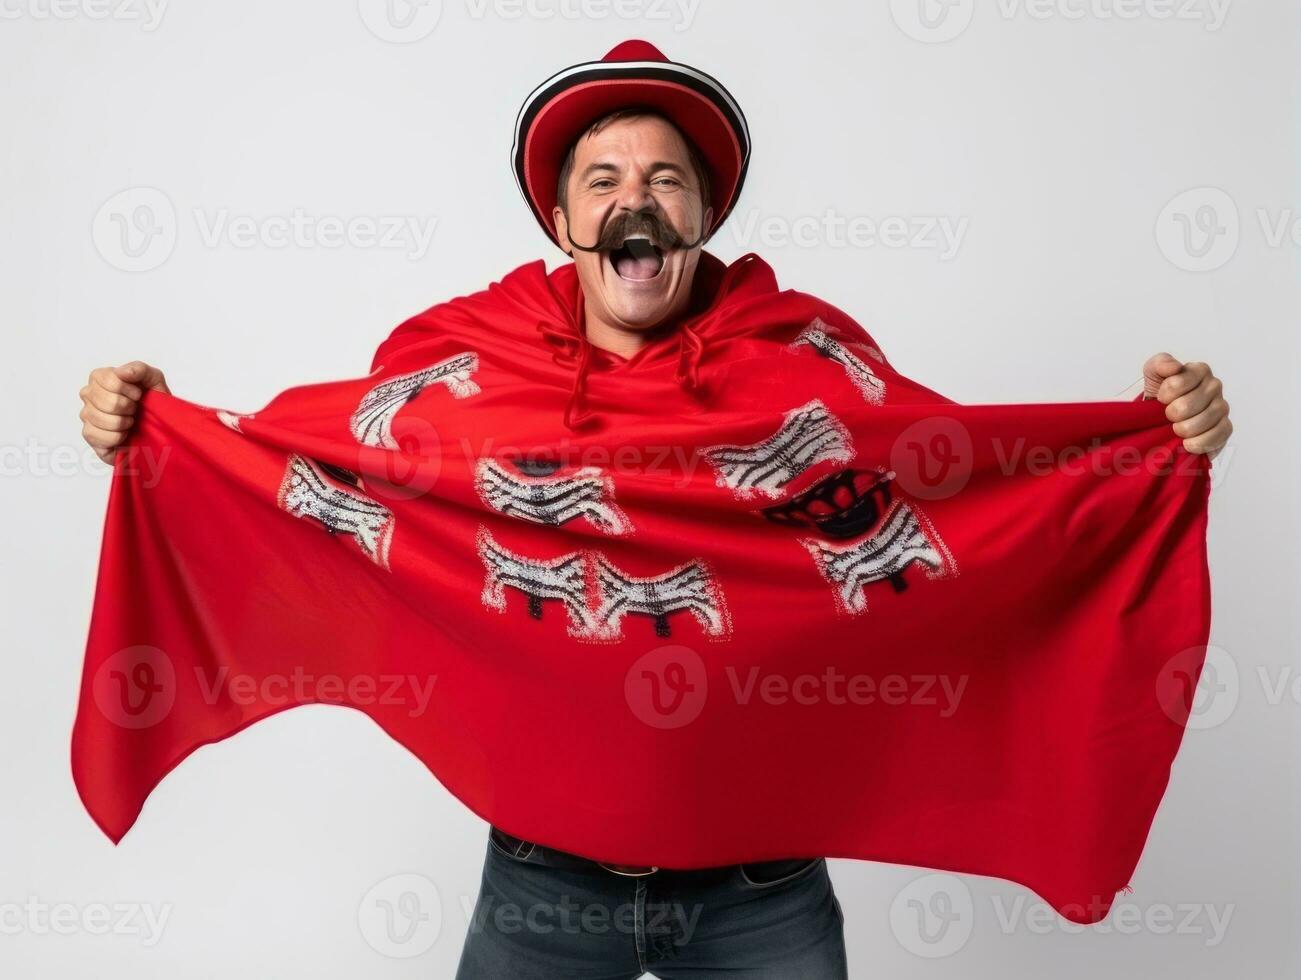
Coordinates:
column 1055, row 134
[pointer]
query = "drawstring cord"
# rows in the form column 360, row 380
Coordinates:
column 575, row 414
column 690, row 349
column 691, row 343
column 573, row 347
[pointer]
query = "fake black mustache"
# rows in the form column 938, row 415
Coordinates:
column 643, row 224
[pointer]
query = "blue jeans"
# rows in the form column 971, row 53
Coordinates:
column 547, row 915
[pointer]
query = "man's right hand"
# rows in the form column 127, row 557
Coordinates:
column 109, row 403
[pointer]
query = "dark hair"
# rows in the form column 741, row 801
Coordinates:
column 632, row 112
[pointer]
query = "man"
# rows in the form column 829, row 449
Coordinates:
column 630, row 164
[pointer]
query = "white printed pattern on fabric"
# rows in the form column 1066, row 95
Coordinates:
column 687, row 587
column 818, row 336
column 231, row 420
column 372, row 422
column 564, row 579
column 899, row 542
column 306, row 491
column 587, row 493
column 808, row 435
column 597, row 595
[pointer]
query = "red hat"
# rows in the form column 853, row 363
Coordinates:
column 633, row 73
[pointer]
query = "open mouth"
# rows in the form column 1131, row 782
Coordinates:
column 637, row 260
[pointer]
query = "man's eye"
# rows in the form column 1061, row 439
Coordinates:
column 603, row 182
column 670, row 181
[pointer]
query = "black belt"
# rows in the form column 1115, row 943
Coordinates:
column 551, row 857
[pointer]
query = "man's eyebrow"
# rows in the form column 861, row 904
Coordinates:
column 605, row 165
column 592, row 168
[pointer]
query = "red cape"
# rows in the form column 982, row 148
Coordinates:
column 762, row 597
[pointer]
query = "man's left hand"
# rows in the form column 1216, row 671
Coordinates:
column 1194, row 401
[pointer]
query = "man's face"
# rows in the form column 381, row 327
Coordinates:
column 633, row 182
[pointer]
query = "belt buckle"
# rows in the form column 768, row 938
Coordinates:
column 629, row 874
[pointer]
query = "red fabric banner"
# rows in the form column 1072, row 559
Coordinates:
column 761, row 597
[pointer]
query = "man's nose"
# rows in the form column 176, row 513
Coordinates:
column 635, row 195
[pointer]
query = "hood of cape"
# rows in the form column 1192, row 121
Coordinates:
column 533, row 314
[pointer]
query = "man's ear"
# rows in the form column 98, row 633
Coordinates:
column 562, row 229
column 706, row 223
